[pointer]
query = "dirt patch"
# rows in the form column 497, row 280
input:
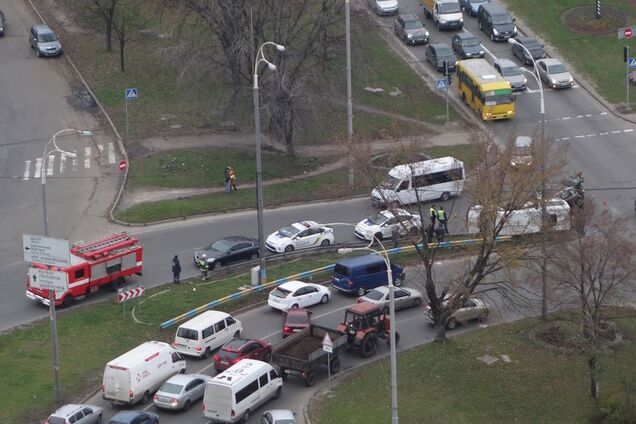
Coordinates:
column 565, row 336
column 582, row 20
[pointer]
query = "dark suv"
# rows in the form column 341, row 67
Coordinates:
column 410, row 29
column 438, row 55
column 496, row 22
column 467, row 46
column 44, row 41
column 535, row 49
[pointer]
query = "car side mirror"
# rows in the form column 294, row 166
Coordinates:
column 514, row 19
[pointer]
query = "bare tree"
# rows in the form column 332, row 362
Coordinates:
column 128, row 20
column 105, row 9
column 596, row 267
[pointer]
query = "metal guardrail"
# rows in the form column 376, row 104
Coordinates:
column 235, row 296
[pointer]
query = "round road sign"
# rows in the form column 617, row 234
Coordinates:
column 123, row 165
column 627, row 32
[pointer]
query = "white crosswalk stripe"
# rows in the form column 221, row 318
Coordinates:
column 27, row 170
column 50, row 162
column 62, row 163
column 33, row 168
column 38, row 168
column 75, row 161
column 87, row 157
column 111, row 153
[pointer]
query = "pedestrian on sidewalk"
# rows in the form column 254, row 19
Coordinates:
column 432, row 212
column 441, row 217
column 227, row 180
column 176, row 269
column 203, row 265
column 232, row 178
column 395, row 235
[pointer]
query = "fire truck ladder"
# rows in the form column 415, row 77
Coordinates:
column 102, row 247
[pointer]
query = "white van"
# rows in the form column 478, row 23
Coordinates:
column 135, row 375
column 238, row 391
column 205, row 333
column 526, row 220
column 421, row 181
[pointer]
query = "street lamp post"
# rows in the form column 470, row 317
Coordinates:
column 260, row 57
column 52, row 315
column 349, row 101
column 544, row 259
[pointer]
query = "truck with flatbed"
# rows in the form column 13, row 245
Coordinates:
column 446, row 14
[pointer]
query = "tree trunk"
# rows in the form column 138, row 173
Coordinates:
column 594, row 365
column 440, row 332
column 109, row 34
column 122, row 44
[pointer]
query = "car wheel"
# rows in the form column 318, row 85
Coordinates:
column 451, row 323
column 268, row 357
column 378, row 236
column 68, row 301
column 289, row 248
column 187, row 405
column 311, row 378
column 99, row 419
column 324, row 299
column 279, row 391
column 483, row 317
column 211, row 266
column 464, row 98
column 246, row 416
column 206, row 353
column 437, row 25
column 182, row 371
column 294, row 306
column 399, row 280
column 145, row 398
column 445, row 196
column 325, row 243
column 361, row 291
column 368, row 345
column 417, row 301
column 37, row 52
column 237, row 333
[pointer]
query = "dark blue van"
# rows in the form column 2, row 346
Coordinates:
column 362, row 273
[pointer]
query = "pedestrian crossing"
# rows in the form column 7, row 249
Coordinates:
column 60, row 163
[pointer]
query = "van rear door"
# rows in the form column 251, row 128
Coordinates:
column 117, row 383
column 218, row 402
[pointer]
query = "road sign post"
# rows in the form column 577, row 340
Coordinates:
column 327, row 346
column 124, row 295
column 442, row 85
column 129, row 95
column 122, row 165
column 626, row 34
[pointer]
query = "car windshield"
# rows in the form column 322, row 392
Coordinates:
column 187, row 333
column 511, row 71
column 498, row 97
column 285, row 422
column 221, row 245
column 448, row 7
column 374, row 295
column 56, row 420
column 444, row 53
column 228, row 354
column 296, row 319
column 501, row 19
column 470, row 42
column 556, row 69
column 523, row 151
column 390, row 183
column 173, row 389
column 532, row 45
column 47, row 38
column 378, row 219
column 289, row 231
column 279, row 292
column 413, row 25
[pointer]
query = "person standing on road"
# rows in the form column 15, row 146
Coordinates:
column 203, row 265
column 176, row 269
column 432, row 212
column 395, row 235
column 441, row 217
column 440, row 231
column 232, row 176
column 227, row 180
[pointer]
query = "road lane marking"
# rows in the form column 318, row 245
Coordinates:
column 49, row 165
column 75, row 161
column 565, row 118
column 579, row 136
column 579, row 116
column 27, row 169
column 62, row 163
column 87, row 157
column 628, row 130
column 616, row 132
column 603, row 113
column 38, row 167
column 603, row 133
column 111, row 153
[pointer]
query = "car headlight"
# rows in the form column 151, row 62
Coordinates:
column 570, row 79
column 494, row 31
column 409, row 35
column 525, row 80
column 442, row 20
column 553, row 81
column 461, row 19
column 210, row 260
column 427, row 34
column 514, row 29
column 481, row 52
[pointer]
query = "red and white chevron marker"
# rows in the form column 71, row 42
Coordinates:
column 129, row 294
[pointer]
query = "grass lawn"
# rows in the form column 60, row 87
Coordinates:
column 598, row 57
column 445, row 383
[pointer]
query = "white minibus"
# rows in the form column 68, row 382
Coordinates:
column 205, row 333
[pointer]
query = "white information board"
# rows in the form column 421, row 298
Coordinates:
column 46, row 279
column 46, row 250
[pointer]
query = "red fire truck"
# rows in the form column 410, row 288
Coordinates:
column 94, row 265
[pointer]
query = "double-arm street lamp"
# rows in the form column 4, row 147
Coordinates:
column 43, row 171
column 260, row 57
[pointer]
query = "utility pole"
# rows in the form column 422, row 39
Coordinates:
column 349, row 101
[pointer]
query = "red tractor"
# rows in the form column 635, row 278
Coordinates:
column 364, row 323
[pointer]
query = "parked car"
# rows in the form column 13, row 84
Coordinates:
column 44, row 41
column 522, row 151
column 134, row 417
column 300, row 235
column 297, row 294
column 77, row 414
column 554, row 73
column 472, row 309
column 229, row 249
column 381, row 224
column 3, row 24
column 181, row 391
column 278, row 416
column 384, row 7
column 404, row 298
column 512, row 73
column 295, row 320
column 239, row 349
column 438, row 55
column 410, row 29
column 532, row 45
column 467, row 46
column 472, row 6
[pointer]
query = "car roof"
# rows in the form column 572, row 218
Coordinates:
column 42, row 28
column 525, row 40
column 183, row 378
column 298, row 311
column 438, row 46
column 523, row 141
column 303, row 225
column 292, row 285
column 464, row 35
column 550, row 61
column 66, row 410
column 238, row 239
column 281, row 414
column 127, row 414
column 409, row 17
column 505, row 62
column 236, row 344
column 494, row 9
column 361, row 260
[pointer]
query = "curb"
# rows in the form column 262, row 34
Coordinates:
column 120, row 142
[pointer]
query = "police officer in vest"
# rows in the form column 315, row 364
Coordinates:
column 203, row 265
column 432, row 212
column 441, row 217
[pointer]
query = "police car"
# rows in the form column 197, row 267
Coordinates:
column 300, row 235
column 381, row 224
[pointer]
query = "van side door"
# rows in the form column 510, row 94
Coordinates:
column 221, row 332
column 209, row 336
column 266, row 386
column 178, row 363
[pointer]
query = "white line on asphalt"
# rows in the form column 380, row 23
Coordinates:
column 616, row 132
column 27, row 169
column 528, row 90
column 565, row 118
column 38, row 167
column 111, row 153
column 588, row 115
column 628, row 130
column 603, row 133
column 579, row 136
column 49, row 165
column 87, row 157
column 75, row 161
column 603, row 113
column 565, row 138
column 487, row 51
column 579, row 116
column 62, row 163
column 591, row 135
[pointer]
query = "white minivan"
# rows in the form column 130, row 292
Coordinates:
column 205, row 333
column 234, row 394
column 135, row 375
column 421, row 181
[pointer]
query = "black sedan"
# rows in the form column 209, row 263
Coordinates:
column 467, row 46
column 229, row 249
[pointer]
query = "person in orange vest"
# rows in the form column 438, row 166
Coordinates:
column 232, row 178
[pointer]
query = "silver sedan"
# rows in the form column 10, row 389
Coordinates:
column 181, row 391
column 404, row 298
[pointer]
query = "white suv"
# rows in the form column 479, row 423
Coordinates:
column 381, row 225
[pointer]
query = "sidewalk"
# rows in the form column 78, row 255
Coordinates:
column 246, row 141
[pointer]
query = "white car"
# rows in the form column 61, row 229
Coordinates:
column 297, row 294
column 300, row 235
column 381, row 225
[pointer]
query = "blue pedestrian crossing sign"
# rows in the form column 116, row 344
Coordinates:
column 631, row 63
column 131, row 94
column 442, row 85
